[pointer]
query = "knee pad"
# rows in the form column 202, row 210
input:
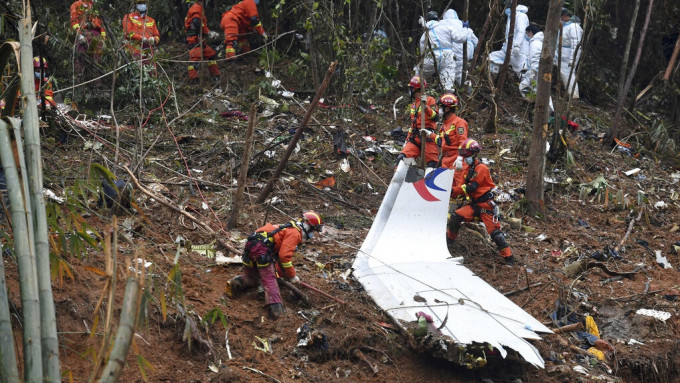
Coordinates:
column 499, row 238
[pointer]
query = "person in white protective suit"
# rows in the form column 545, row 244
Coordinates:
column 519, row 44
column 461, row 33
column 528, row 84
column 571, row 37
column 439, row 53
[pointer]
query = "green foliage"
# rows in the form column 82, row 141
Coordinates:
column 660, row 139
column 214, row 315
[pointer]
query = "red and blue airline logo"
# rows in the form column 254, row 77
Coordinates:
column 423, row 186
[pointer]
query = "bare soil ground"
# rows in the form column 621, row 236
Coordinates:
column 362, row 344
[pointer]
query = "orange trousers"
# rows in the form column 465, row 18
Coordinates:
column 208, row 55
column 467, row 212
column 412, row 150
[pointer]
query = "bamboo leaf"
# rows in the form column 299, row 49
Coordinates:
column 143, row 365
column 95, row 270
column 95, row 323
column 164, row 307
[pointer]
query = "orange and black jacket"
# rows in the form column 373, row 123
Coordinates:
column 83, row 16
column 474, row 181
column 195, row 23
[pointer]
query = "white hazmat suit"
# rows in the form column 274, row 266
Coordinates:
column 528, row 83
column 572, row 33
column 519, row 43
column 460, row 36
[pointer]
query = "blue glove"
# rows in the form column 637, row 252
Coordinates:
column 466, row 24
column 507, row 11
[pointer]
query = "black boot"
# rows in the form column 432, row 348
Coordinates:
column 275, row 310
column 510, row 261
column 234, row 287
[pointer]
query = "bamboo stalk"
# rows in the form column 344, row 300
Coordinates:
column 30, row 305
column 8, row 358
column 126, row 330
column 48, row 322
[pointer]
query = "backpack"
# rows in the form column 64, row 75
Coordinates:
column 260, row 245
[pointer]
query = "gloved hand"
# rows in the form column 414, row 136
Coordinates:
column 515, row 51
column 458, row 163
column 265, row 36
column 151, row 41
column 428, row 132
column 82, row 39
column 145, row 40
column 423, row 99
column 213, row 35
column 466, row 24
column 295, row 280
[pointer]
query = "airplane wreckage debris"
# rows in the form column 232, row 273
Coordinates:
column 461, row 318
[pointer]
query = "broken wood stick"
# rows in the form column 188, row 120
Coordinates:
column 164, row 201
column 568, row 328
column 243, row 175
column 363, row 358
column 630, row 229
column 322, row 293
column 303, row 297
column 522, row 289
column 298, row 133
column 671, row 63
column 612, row 279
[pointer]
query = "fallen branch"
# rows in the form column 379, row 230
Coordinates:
column 261, row 373
column 630, row 229
column 571, row 327
column 522, row 289
column 322, row 293
column 361, row 356
column 303, row 297
column 164, row 201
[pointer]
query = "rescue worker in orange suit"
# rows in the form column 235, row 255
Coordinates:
column 454, row 130
column 474, row 182
column 141, row 32
column 43, row 84
column 412, row 147
column 90, row 32
column 197, row 31
column 237, row 22
column 259, row 264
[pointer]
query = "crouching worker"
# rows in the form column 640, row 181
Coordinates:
column 268, row 254
column 474, row 181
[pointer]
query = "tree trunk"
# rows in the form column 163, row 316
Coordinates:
column 626, row 51
column 243, row 176
column 614, row 130
column 490, row 126
column 466, row 9
column 482, row 35
column 536, row 165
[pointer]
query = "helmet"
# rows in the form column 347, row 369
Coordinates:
column 312, row 219
column 431, row 15
column 36, row 62
column 565, row 12
column 448, row 99
column 469, row 148
column 417, row 83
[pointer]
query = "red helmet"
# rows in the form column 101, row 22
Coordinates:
column 36, row 62
column 469, row 148
column 449, row 99
column 313, row 219
column 417, row 83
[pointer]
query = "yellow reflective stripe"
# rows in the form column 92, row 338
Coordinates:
column 262, row 265
column 231, row 49
column 287, row 264
column 103, row 33
column 135, row 21
column 76, row 26
column 191, row 67
column 150, row 23
column 249, row 264
column 433, row 113
column 259, row 24
column 212, row 63
column 131, row 34
column 464, row 187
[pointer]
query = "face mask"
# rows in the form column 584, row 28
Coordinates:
column 141, row 8
column 469, row 160
column 441, row 111
column 507, row 12
column 307, row 231
column 527, row 38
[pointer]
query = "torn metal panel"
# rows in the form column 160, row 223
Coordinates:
column 405, row 266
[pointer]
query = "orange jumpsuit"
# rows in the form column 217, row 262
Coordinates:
column 237, row 22
column 412, row 147
column 475, row 182
column 48, row 92
column 453, row 133
column 199, row 50
column 85, row 21
column 136, row 27
column 285, row 242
